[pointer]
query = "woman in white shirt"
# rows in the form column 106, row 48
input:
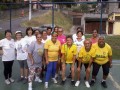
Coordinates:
column 79, row 42
column 8, row 56
column 74, row 36
column 29, row 38
column 21, row 47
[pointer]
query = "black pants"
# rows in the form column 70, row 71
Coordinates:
column 96, row 68
column 8, row 69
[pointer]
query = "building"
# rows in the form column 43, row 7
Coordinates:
column 113, row 23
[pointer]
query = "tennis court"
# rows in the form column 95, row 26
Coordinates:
column 113, row 80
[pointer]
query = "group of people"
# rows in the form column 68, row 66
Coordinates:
column 50, row 51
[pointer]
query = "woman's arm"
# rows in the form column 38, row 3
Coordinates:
column 31, row 58
column 46, row 56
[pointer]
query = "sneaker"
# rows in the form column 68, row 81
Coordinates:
column 46, row 85
column 72, row 83
column 63, row 82
column 30, row 86
column 54, row 80
column 103, row 83
column 25, row 81
column 11, row 80
column 7, row 81
column 37, row 79
column 56, row 75
column 77, row 83
column 20, row 79
column 92, row 82
column 87, row 84
column 69, row 76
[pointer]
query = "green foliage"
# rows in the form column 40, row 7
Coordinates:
column 3, row 7
column 82, row 8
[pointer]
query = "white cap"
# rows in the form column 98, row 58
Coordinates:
column 18, row 32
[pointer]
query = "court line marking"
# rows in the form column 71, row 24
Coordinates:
column 114, row 82
column 116, row 64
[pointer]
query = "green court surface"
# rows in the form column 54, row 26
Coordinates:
column 113, row 80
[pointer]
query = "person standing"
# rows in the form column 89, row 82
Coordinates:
column 44, row 36
column 103, row 57
column 86, row 56
column 29, row 38
column 94, row 37
column 8, row 56
column 52, row 51
column 62, row 38
column 74, row 36
column 35, row 55
column 49, row 31
column 21, row 49
column 69, row 51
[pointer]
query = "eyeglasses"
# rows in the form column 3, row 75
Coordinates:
column 60, row 31
column 39, row 37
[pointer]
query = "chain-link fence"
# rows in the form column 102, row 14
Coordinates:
column 89, row 15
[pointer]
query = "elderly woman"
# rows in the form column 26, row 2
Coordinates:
column 86, row 56
column 52, row 51
column 69, row 51
column 94, row 37
column 29, row 38
column 103, row 57
column 35, row 54
column 8, row 55
column 21, row 56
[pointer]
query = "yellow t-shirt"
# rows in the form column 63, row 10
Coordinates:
column 69, row 52
column 53, row 50
column 86, row 56
column 101, row 54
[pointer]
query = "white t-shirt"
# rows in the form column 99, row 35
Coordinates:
column 74, row 36
column 79, row 44
column 21, row 48
column 29, row 39
column 44, row 41
column 48, row 36
column 8, row 47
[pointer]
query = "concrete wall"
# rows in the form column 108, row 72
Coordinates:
column 116, row 28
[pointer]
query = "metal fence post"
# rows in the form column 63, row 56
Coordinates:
column 52, row 15
column 10, row 16
column 101, row 18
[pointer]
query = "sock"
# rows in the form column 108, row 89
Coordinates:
column 103, row 80
column 21, row 76
column 26, row 77
column 72, row 80
column 93, row 80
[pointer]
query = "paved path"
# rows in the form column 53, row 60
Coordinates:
column 16, row 22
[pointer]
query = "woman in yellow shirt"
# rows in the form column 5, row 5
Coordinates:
column 52, row 51
column 103, row 57
column 86, row 56
column 69, row 51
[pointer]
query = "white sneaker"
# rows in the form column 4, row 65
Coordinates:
column 37, row 79
column 54, row 80
column 30, row 86
column 77, row 83
column 11, row 80
column 46, row 85
column 87, row 84
column 56, row 75
column 7, row 81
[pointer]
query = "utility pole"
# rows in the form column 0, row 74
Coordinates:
column 30, row 9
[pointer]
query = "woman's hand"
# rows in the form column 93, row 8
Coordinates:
column 47, row 62
column 32, row 62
